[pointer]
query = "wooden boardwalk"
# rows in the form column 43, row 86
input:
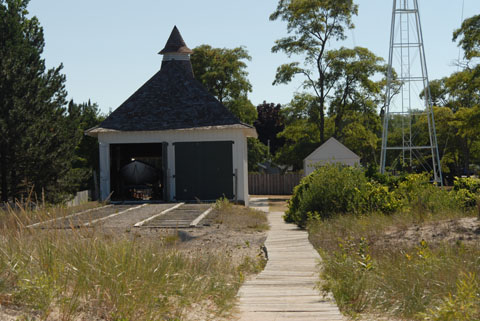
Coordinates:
column 285, row 289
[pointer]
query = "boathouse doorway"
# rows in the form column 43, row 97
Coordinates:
column 137, row 172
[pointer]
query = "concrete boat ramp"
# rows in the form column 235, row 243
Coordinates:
column 285, row 289
column 163, row 216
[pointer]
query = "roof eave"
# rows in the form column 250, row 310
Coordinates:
column 92, row 132
column 248, row 130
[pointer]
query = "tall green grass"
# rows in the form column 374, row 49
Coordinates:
column 239, row 217
column 409, row 281
column 22, row 214
column 113, row 277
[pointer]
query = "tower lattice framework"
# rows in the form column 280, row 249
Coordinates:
column 409, row 138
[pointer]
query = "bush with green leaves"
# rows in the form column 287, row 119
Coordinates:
column 391, row 181
column 464, row 305
column 293, row 215
column 415, row 192
column 379, row 198
column 471, row 184
column 336, row 189
column 467, row 190
column 329, row 190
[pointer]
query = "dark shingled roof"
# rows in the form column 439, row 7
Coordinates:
column 171, row 99
column 175, row 43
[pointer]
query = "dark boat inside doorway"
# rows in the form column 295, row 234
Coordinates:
column 137, row 172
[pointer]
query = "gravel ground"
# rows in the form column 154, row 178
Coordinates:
column 209, row 236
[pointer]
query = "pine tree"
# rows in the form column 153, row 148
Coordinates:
column 37, row 144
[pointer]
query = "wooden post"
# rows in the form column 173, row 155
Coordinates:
column 95, row 186
column 165, row 173
column 236, row 185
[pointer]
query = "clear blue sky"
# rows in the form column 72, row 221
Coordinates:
column 109, row 47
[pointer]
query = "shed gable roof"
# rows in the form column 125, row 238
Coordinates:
column 332, row 148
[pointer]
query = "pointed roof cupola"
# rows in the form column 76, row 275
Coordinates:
column 177, row 52
column 175, row 44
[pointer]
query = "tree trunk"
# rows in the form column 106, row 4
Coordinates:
column 466, row 153
column 322, row 113
column 338, row 121
column 4, row 171
column 322, row 124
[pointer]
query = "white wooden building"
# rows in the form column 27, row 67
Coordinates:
column 193, row 146
column 332, row 151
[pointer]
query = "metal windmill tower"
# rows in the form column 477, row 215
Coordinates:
column 407, row 143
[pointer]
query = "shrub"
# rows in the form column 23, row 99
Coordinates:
column 383, row 276
column 293, row 215
column 336, row 189
column 387, row 179
column 471, row 184
column 329, row 190
column 467, row 191
column 463, row 306
column 418, row 194
column 411, row 188
column 378, row 198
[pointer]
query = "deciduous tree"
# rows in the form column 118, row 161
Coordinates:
column 355, row 91
column 223, row 72
column 468, row 36
column 269, row 123
column 311, row 25
column 257, row 153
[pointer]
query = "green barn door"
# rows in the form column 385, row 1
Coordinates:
column 203, row 170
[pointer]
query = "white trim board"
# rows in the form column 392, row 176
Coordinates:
column 139, row 224
column 114, row 214
column 68, row 216
column 195, row 222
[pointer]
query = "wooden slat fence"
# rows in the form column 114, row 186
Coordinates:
column 80, row 198
column 272, row 184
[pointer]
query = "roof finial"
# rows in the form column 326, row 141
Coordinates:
column 176, row 51
column 175, row 44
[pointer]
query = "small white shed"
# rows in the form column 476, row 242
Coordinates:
column 332, row 151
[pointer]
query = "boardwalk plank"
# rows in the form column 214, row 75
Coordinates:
column 285, row 289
